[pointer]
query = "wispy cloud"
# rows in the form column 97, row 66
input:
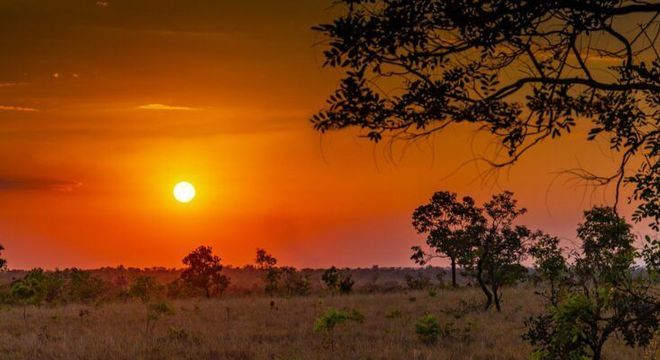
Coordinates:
column 42, row 184
column 167, row 107
column 17, row 108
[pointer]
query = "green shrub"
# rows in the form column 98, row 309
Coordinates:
column 428, row 329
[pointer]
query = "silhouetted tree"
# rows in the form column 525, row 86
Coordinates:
column 525, row 71
column 496, row 247
column 335, row 281
column 3, row 262
column 268, row 264
column 604, row 296
column 549, row 263
column 204, row 271
column 346, row 284
column 294, row 282
column 445, row 220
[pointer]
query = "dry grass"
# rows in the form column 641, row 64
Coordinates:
column 248, row 328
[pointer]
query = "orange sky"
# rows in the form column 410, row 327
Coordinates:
column 105, row 105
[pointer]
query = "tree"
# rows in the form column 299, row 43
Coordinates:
column 267, row 263
column 485, row 241
column 605, row 295
column 204, row 271
column 413, row 68
column 3, row 262
column 549, row 263
column 496, row 247
column 446, row 221
column 30, row 290
column 294, row 282
column 335, row 281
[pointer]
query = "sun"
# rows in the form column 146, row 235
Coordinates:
column 184, row 192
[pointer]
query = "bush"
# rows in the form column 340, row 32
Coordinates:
column 428, row 329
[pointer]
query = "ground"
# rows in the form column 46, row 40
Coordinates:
column 280, row 328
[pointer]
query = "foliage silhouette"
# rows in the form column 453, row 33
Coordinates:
column 446, row 221
column 268, row 264
column 204, row 271
column 337, row 282
column 606, row 294
column 284, row 280
column 414, row 68
column 485, row 241
column 3, row 262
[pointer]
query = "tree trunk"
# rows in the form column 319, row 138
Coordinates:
column 453, row 273
column 484, row 288
column 496, row 297
column 208, row 292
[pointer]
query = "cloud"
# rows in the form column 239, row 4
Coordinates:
column 166, row 107
column 39, row 184
column 17, row 108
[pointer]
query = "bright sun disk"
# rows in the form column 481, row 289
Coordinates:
column 184, row 192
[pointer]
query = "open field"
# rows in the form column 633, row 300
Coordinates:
column 251, row 328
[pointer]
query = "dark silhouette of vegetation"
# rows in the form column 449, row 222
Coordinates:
column 446, row 221
column 605, row 295
column 268, row 264
column 3, row 262
column 414, row 68
column 337, row 282
column 285, row 280
column 204, row 271
column 485, row 241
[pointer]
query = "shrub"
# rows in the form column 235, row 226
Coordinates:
column 327, row 322
column 428, row 329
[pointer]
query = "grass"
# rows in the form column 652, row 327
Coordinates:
column 250, row 328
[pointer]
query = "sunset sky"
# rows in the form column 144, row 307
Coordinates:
column 106, row 105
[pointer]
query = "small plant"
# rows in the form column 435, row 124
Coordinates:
column 327, row 322
column 428, row 329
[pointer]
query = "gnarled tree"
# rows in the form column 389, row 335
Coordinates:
column 525, row 71
column 204, row 271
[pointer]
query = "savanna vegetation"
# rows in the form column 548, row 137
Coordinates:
column 510, row 292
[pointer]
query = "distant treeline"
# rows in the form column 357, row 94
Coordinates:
column 107, row 283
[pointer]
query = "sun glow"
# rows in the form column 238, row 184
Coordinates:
column 184, row 192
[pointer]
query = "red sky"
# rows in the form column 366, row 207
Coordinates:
column 105, row 105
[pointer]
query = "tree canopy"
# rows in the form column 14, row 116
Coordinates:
column 204, row 271
column 524, row 71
